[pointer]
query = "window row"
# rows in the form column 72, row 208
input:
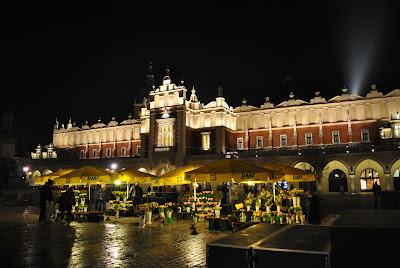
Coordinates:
column 96, row 153
column 308, row 139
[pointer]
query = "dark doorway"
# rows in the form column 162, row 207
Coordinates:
column 337, row 178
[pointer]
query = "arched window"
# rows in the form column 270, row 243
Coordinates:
column 368, row 177
column 396, row 180
column 337, row 180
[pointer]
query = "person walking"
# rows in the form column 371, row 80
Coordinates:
column 48, row 195
column 69, row 201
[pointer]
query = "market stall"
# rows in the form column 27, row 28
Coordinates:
column 43, row 179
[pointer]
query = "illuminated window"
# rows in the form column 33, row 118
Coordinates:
column 205, row 141
column 368, row 178
column 240, row 143
column 165, row 132
column 396, row 131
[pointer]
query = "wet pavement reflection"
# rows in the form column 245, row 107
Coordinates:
column 105, row 244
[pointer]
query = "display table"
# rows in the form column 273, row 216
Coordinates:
column 238, row 246
column 221, row 224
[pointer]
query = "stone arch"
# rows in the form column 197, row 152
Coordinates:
column 334, row 166
column 47, row 171
column 143, row 169
column 372, row 164
column 162, row 169
column 36, row 173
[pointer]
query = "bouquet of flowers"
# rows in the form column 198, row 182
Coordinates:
column 153, row 205
column 117, row 205
column 219, row 195
column 298, row 209
column 296, row 192
column 119, row 193
column 169, row 206
column 290, row 210
column 257, row 213
column 129, row 203
column 278, row 200
column 187, row 204
column 269, row 202
column 217, row 207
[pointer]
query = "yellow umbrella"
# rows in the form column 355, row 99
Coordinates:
column 176, row 177
column 132, row 176
column 290, row 174
column 43, row 179
column 230, row 169
column 88, row 174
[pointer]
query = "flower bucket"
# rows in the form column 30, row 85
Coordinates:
column 169, row 214
column 187, row 209
column 298, row 198
column 217, row 213
column 278, row 209
column 257, row 208
column 141, row 221
column 148, row 217
column 281, row 220
column 116, row 215
column 268, row 209
column 303, row 219
column 248, row 208
column 294, row 199
column 162, row 214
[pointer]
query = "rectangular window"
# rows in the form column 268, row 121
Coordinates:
column 205, row 141
column 335, row 137
column 108, row 152
column 82, row 154
column 240, row 143
column 123, row 151
column 308, row 138
column 94, row 153
column 364, row 135
column 259, row 141
column 283, row 140
column 138, row 150
column 165, row 136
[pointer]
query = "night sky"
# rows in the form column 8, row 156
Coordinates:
column 84, row 61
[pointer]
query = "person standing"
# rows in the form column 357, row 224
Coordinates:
column 69, row 201
column 235, row 195
column 42, row 203
column 314, row 216
column 102, row 197
column 49, row 197
column 138, row 194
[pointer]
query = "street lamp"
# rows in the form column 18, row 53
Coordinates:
column 113, row 167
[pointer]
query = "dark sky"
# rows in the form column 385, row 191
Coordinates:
column 84, row 61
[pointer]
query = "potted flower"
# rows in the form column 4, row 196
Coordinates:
column 118, row 194
column 169, row 210
column 269, row 204
column 257, row 216
column 266, row 216
column 296, row 194
column 248, row 203
column 117, row 206
column 187, row 205
column 257, row 204
column 278, row 202
column 298, row 210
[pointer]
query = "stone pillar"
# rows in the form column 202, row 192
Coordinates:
column 387, row 178
column 352, row 184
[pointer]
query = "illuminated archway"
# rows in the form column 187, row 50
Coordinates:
column 334, row 174
column 47, row 171
column 36, row 173
column 395, row 172
column 367, row 171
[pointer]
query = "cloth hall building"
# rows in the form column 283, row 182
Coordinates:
column 348, row 140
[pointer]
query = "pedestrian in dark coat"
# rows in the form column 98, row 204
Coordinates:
column 138, row 194
column 69, row 201
column 102, row 197
column 314, row 216
column 42, row 202
column 49, row 197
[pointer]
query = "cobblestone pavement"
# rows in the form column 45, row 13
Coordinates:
column 27, row 243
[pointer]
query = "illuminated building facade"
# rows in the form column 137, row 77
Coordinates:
column 349, row 140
